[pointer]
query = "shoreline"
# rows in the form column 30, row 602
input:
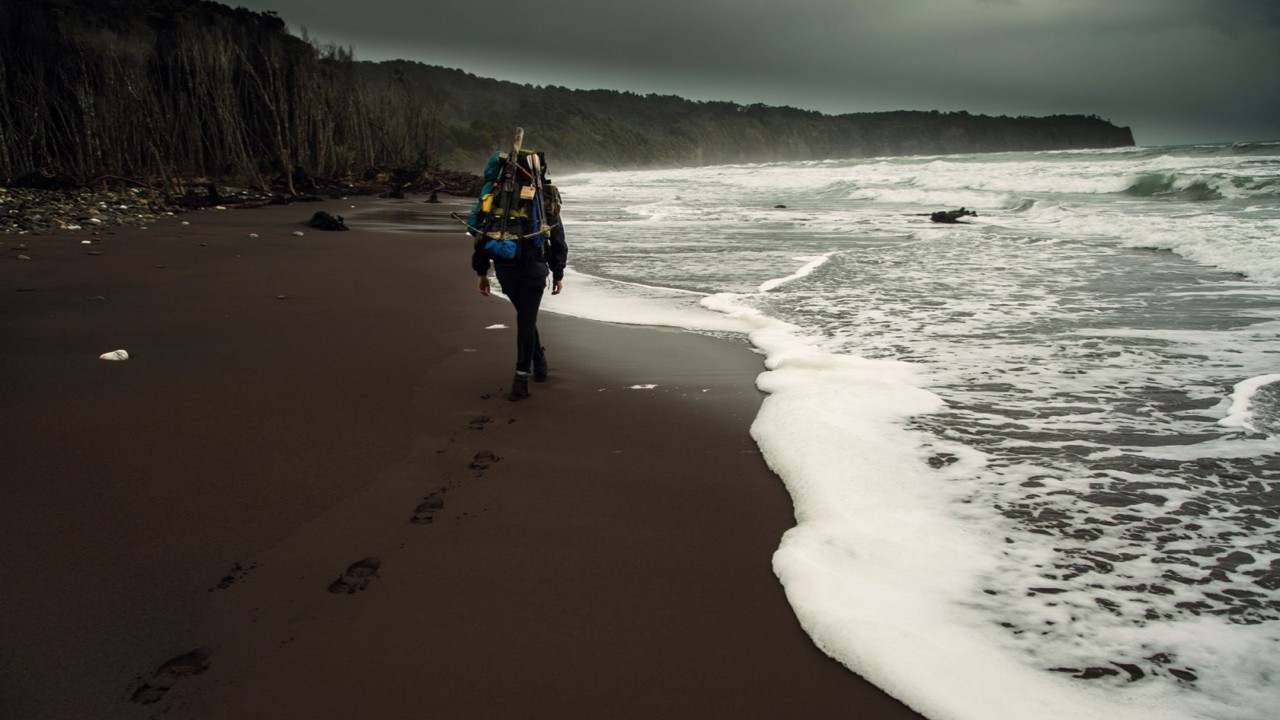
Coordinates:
column 295, row 406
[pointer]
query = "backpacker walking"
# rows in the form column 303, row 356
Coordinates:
column 517, row 229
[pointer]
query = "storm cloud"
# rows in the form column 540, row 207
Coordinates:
column 1176, row 71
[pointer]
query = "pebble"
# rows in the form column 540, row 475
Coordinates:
column 25, row 211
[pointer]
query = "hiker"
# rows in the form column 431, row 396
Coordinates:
column 523, row 278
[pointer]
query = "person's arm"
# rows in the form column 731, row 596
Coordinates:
column 480, row 264
column 557, row 257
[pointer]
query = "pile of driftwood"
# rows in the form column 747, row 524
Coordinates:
column 300, row 186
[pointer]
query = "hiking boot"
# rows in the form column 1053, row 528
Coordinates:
column 519, row 387
column 540, row 370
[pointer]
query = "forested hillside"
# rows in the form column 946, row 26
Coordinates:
column 165, row 89
column 176, row 88
column 607, row 129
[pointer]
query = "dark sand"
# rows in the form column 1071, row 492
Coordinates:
column 290, row 404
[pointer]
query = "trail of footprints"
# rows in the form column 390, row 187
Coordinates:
column 151, row 689
column 159, row 683
column 357, row 576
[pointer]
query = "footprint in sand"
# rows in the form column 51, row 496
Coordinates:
column 479, row 422
column 185, row 665
column 236, row 573
column 483, row 460
column 426, row 511
column 357, row 576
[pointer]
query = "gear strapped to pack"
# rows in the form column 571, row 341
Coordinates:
column 513, row 217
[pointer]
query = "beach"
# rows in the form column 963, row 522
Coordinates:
column 306, row 495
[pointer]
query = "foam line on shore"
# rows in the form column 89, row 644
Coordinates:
column 591, row 298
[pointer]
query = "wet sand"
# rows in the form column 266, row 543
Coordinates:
column 306, row 494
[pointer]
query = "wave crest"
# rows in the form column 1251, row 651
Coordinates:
column 1200, row 188
column 1174, row 186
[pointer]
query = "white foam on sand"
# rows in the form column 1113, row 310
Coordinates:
column 893, row 568
column 594, row 298
column 877, row 569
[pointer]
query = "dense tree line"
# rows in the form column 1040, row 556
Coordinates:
column 181, row 89
column 609, row 129
column 172, row 90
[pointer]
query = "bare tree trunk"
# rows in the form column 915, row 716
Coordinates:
column 268, row 94
column 198, row 90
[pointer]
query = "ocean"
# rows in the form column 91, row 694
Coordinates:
column 1034, row 456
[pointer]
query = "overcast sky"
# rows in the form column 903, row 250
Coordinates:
column 1176, row 71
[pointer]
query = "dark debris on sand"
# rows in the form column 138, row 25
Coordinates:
column 39, row 203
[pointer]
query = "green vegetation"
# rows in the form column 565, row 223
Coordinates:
column 172, row 90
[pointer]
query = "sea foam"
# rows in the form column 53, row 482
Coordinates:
column 1242, row 414
column 1014, row 494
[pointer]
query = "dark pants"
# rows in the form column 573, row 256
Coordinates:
column 524, row 285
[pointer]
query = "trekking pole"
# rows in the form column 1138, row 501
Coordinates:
column 540, row 200
column 534, row 234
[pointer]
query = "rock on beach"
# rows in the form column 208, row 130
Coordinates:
column 27, row 211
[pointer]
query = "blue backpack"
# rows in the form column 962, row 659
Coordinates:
column 511, row 219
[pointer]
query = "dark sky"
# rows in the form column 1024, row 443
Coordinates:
column 1176, row 71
